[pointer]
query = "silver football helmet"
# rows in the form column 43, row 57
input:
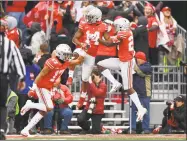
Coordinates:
column 63, row 52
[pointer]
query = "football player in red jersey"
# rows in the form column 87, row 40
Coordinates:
column 125, row 61
column 105, row 53
column 78, row 52
column 43, row 84
column 91, row 30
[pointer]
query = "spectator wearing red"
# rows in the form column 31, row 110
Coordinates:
column 95, row 105
column 62, row 97
column 13, row 32
column 17, row 10
column 152, row 27
column 39, row 14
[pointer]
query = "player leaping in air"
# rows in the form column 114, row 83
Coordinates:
column 125, row 61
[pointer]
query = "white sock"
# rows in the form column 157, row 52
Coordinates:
column 34, row 121
column 71, row 72
column 39, row 106
column 109, row 76
column 136, row 100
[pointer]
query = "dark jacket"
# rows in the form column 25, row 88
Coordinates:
column 178, row 114
column 99, row 92
column 142, row 80
column 141, row 42
column 42, row 60
column 113, row 13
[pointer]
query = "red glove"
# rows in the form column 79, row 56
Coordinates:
column 32, row 94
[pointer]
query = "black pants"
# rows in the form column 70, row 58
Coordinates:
column 21, row 121
column 153, row 56
column 4, row 86
column 85, row 124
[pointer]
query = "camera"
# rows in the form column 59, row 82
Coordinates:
column 169, row 102
column 92, row 105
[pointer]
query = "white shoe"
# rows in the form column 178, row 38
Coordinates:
column 26, row 107
column 115, row 87
column 140, row 114
column 25, row 133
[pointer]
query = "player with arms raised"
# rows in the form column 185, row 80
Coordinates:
column 125, row 61
column 44, row 82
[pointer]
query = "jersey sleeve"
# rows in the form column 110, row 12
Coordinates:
column 51, row 63
column 82, row 24
column 154, row 22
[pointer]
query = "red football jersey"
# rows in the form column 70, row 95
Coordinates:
column 57, row 70
column 126, row 47
column 107, row 51
column 91, row 34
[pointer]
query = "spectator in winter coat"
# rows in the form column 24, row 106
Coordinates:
column 13, row 33
column 61, row 97
column 17, row 10
column 140, row 33
column 37, row 38
column 142, row 85
column 152, row 33
column 95, row 105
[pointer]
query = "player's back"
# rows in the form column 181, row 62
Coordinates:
column 126, row 47
column 56, row 70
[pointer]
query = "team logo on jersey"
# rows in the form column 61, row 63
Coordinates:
column 92, row 37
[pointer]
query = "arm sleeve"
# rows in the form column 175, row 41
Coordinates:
column 98, row 91
column 18, row 61
column 179, row 115
column 50, row 64
column 68, row 96
column 158, row 8
column 140, row 8
column 142, row 70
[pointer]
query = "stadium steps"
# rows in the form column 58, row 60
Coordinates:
column 110, row 127
column 107, row 119
column 106, row 103
column 105, row 111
